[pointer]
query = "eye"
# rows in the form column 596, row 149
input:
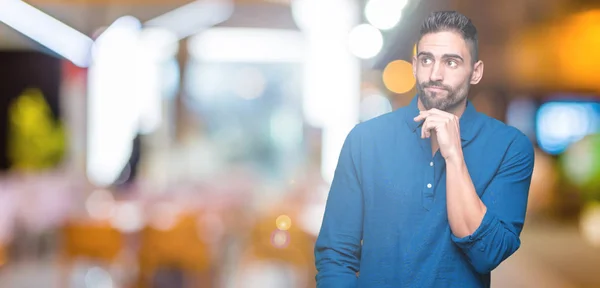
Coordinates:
column 426, row 61
column 452, row 64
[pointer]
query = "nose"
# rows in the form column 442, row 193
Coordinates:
column 437, row 72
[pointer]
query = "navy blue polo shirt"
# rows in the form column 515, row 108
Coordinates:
column 386, row 211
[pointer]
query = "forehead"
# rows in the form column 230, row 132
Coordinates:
column 440, row 43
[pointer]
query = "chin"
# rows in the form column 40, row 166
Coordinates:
column 439, row 106
column 433, row 101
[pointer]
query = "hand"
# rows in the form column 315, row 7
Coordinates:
column 447, row 129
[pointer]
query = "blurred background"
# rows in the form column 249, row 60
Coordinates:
column 154, row 143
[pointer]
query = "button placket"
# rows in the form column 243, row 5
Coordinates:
column 428, row 187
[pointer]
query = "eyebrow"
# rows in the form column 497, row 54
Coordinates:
column 445, row 56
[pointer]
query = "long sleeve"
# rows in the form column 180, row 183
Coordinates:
column 338, row 248
column 497, row 237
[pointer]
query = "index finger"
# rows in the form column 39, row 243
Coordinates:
column 435, row 111
column 422, row 115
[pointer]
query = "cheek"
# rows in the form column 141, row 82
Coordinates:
column 422, row 75
column 459, row 82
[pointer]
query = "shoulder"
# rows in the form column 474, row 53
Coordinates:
column 516, row 145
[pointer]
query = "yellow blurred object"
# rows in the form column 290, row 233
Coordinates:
column 36, row 141
column 398, row 76
column 179, row 246
column 292, row 246
column 2, row 255
column 528, row 55
column 557, row 56
column 543, row 183
column 578, row 46
column 95, row 240
column 589, row 225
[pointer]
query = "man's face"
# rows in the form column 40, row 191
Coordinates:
column 444, row 70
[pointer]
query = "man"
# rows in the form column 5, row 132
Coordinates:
column 433, row 194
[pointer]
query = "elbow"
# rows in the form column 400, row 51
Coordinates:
column 496, row 255
column 485, row 267
column 336, row 264
column 332, row 273
column 491, row 243
column 332, row 262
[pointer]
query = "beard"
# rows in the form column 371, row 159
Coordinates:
column 434, row 99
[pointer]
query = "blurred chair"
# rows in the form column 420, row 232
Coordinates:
column 89, row 240
column 179, row 247
column 3, row 257
column 292, row 247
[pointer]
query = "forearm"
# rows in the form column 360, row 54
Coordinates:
column 465, row 208
column 337, row 250
column 488, row 234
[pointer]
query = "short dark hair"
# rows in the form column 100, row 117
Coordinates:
column 452, row 21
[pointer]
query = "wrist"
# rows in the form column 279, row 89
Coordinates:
column 455, row 158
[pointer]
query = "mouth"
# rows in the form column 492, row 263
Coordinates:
column 435, row 89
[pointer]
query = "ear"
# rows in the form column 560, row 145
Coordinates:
column 477, row 72
column 414, row 66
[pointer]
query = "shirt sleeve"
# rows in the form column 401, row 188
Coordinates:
column 338, row 248
column 497, row 237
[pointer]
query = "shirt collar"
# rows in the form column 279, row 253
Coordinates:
column 466, row 119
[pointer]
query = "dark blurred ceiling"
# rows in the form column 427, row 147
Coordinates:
column 500, row 23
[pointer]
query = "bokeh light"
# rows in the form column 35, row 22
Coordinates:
column 365, row 41
column 283, row 222
column 164, row 216
column 384, row 14
column 581, row 165
column 398, row 76
column 280, row 239
column 561, row 123
column 590, row 223
column 97, row 277
column 128, row 217
column 100, row 205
